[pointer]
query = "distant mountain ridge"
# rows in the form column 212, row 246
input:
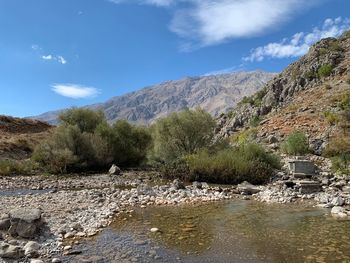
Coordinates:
column 215, row 94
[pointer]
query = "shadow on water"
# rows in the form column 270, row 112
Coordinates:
column 233, row 231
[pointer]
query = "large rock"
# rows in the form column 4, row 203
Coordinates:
column 248, row 188
column 5, row 222
column 25, row 222
column 178, row 184
column 31, row 249
column 114, row 170
column 10, row 251
column 339, row 211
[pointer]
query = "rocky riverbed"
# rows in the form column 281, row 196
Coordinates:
column 72, row 213
column 67, row 210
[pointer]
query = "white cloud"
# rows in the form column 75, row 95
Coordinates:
column 300, row 42
column 75, row 91
column 59, row 59
column 48, row 57
column 210, row 22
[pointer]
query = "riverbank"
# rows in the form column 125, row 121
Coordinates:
column 77, row 207
column 73, row 211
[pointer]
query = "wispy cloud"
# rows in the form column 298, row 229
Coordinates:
column 75, row 91
column 40, row 52
column 299, row 43
column 59, row 59
column 207, row 22
column 201, row 23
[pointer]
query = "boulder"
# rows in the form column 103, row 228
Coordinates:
column 114, row 170
column 338, row 201
column 178, row 184
column 25, row 222
column 247, row 188
column 10, row 251
column 31, row 249
column 5, row 222
column 339, row 211
column 197, row 185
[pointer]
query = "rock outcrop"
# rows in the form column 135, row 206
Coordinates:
column 297, row 98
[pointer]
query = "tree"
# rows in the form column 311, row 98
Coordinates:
column 182, row 133
column 85, row 119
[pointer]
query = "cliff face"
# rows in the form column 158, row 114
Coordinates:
column 297, row 98
column 216, row 94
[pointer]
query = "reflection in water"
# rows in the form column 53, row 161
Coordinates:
column 234, row 231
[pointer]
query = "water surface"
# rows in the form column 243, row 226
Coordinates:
column 232, row 231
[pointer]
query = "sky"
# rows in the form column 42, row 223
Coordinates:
column 61, row 53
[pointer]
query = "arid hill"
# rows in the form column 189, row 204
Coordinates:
column 302, row 97
column 19, row 136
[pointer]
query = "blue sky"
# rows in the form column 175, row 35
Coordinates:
column 61, row 53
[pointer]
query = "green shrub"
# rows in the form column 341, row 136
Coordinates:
column 344, row 103
column 128, row 144
column 23, row 167
column 245, row 136
column 332, row 117
column 254, row 122
column 296, row 144
column 85, row 119
column 338, row 149
column 180, row 134
column 325, row 70
column 310, row 75
column 248, row 162
column 85, row 141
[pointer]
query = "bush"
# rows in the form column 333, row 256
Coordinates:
column 332, row 117
column 296, row 144
column 344, row 103
column 180, row 134
column 245, row 136
column 255, row 121
column 85, row 141
column 249, row 162
column 85, row 119
column 9, row 167
column 325, row 70
column 338, row 149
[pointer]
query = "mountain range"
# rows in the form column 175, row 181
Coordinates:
column 214, row 93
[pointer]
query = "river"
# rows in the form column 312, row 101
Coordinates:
column 230, row 231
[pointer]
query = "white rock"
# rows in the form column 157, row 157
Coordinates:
column 154, row 229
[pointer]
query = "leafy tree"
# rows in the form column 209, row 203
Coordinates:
column 85, row 119
column 182, row 133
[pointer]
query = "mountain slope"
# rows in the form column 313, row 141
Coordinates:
column 18, row 137
column 215, row 94
column 299, row 97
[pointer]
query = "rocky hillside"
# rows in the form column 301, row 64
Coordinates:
column 19, row 136
column 215, row 94
column 299, row 97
